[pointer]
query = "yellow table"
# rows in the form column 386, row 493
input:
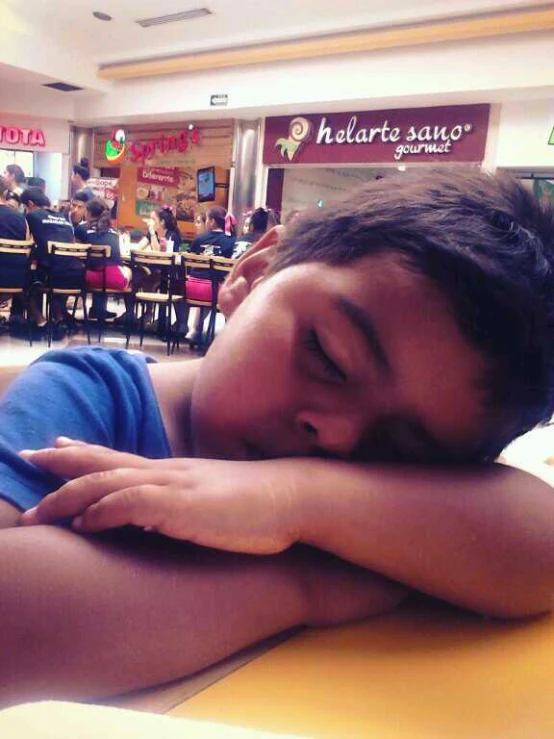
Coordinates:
column 420, row 673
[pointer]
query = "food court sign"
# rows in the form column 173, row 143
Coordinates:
column 441, row 134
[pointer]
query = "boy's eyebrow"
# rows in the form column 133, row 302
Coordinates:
column 361, row 319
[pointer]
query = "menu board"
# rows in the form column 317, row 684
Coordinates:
column 106, row 188
column 162, row 186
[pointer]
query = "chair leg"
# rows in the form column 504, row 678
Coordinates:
column 143, row 311
column 129, row 320
column 85, row 316
column 28, row 317
column 49, row 319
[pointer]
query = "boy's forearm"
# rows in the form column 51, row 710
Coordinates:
column 85, row 618
column 81, row 619
column 479, row 537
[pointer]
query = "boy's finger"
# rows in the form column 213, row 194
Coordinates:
column 63, row 441
column 140, row 505
column 75, row 461
column 77, row 495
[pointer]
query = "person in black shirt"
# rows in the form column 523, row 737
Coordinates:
column 46, row 225
column 12, row 226
column 77, row 214
column 219, row 238
column 12, row 222
column 98, row 231
column 162, row 227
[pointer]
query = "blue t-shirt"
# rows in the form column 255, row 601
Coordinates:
column 92, row 394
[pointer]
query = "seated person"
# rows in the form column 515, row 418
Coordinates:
column 162, row 227
column 12, row 223
column 78, row 208
column 12, row 226
column 46, row 225
column 219, row 237
column 98, row 231
column 374, row 363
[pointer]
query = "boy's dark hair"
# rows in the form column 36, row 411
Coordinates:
column 82, row 169
column 98, row 215
column 36, row 182
column 487, row 243
column 16, row 172
column 82, row 196
column 36, row 196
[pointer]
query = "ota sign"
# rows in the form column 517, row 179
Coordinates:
column 16, row 136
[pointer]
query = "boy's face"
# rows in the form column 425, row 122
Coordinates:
column 362, row 361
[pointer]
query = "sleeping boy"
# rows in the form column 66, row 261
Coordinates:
column 342, row 428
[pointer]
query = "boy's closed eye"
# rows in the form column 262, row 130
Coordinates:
column 319, row 360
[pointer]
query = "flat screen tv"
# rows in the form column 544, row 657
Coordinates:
column 205, row 184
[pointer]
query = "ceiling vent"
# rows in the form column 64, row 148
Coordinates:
column 187, row 15
column 62, row 86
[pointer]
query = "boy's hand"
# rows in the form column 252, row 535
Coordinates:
column 237, row 506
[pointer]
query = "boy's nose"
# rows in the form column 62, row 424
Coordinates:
column 331, row 434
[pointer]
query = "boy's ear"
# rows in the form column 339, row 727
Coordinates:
column 249, row 270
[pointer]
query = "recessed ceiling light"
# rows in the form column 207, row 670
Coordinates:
column 101, row 16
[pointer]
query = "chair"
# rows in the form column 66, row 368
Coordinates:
column 65, row 277
column 164, row 299
column 15, row 271
column 99, row 256
column 216, row 270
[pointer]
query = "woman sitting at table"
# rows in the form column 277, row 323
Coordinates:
column 162, row 227
column 219, row 237
column 98, row 231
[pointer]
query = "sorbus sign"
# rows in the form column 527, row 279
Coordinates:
column 16, row 136
column 454, row 133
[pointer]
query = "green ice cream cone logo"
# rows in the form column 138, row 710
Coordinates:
column 300, row 131
column 115, row 147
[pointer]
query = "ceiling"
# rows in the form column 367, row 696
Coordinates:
column 233, row 23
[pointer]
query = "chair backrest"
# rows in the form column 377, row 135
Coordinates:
column 15, row 260
column 99, row 252
column 67, row 265
column 163, row 263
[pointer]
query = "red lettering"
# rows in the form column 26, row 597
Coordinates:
column 183, row 141
column 136, row 151
column 12, row 135
column 195, row 137
column 24, row 132
column 37, row 138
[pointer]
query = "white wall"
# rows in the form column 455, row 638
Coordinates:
column 305, row 186
column 523, row 135
column 491, row 70
column 33, row 100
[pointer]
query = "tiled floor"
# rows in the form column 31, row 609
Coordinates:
column 16, row 352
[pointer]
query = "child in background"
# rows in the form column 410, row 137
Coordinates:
column 375, row 362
